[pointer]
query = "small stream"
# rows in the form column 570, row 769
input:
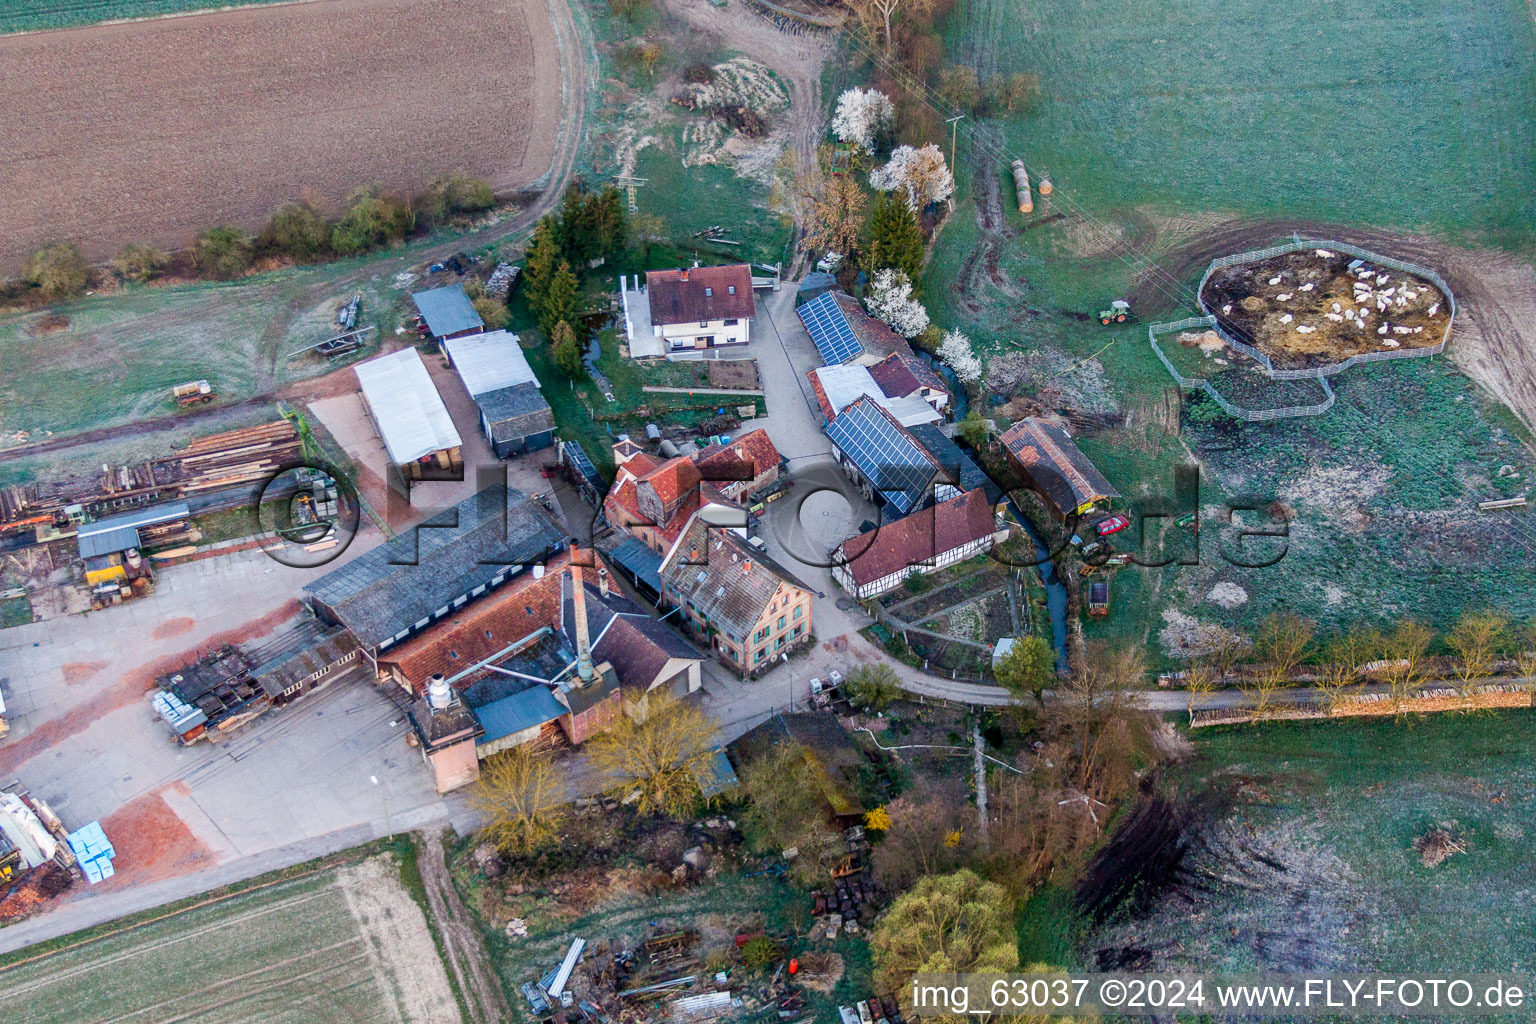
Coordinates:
column 1055, row 589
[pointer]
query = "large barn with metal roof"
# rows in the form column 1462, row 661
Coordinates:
column 513, row 413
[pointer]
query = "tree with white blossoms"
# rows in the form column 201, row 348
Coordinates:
column 890, row 301
column 921, row 173
column 955, row 349
column 862, row 116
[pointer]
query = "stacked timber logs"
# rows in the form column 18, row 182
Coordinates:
column 237, row 457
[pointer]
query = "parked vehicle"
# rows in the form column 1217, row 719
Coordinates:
column 1114, row 524
column 193, row 392
column 1118, row 312
column 1098, row 597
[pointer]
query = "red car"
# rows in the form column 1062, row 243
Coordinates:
column 1114, row 524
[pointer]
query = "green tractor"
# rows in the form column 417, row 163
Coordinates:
column 1118, row 312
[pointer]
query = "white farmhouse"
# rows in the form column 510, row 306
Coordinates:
column 683, row 314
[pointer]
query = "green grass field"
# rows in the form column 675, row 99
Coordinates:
column 1396, row 114
column 35, row 15
column 326, row 947
column 118, row 355
column 1155, row 130
column 1339, row 805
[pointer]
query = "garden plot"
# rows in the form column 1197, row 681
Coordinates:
column 1315, row 307
column 340, row 946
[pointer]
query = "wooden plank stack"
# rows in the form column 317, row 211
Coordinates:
column 237, row 457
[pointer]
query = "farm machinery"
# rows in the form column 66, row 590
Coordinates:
column 193, row 393
column 1119, row 312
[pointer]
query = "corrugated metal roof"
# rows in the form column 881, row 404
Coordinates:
column 715, row 775
column 411, row 416
column 640, row 560
column 388, row 588
column 139, row 517
column 97, row 544
column 845, row 385
column 532, row 707
column 447, row 310
column 488, row 362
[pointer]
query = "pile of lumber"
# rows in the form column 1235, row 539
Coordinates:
column 237, row 457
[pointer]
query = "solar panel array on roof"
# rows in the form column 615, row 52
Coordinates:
column 895, row 464
column 829, row 329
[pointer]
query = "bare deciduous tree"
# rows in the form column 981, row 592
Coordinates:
column 1405, row 651
column 833, row 213
column 1479, row 639
column 520, row 794
column 878, row 16
column 1200, row 683
column 1283, row 641
column 656, row 752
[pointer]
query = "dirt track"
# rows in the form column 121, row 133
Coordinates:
column 1493, row 340
column 229, row 113
column 465, row 949
column 797, row 59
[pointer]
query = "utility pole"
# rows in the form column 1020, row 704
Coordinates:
column 629, row 184
column 954, row 130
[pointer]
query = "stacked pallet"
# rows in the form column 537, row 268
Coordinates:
column 237, row 457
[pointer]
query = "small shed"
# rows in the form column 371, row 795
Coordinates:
column 410, row 415
column 815, row 283
column 515, row 720
column 513, row 413
column 448, row 313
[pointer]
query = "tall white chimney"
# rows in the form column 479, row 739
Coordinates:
column 439, row 696
column 602, row 580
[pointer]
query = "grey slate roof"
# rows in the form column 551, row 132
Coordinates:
column 447, row 310
column 621, row 633
column 305, row 650
column 724, row 577
column 516, row 411
column 380, row 592
column 954, row 461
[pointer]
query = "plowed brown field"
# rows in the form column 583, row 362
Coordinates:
column 150, row 131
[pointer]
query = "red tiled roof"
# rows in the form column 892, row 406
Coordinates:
column 900, row 374
column 820, row 392
column 1056, row 464
column 673, row 478
column 623, row 497
column 484, row 626
column 753, row 451
column 876, row 337
column 700, row 294
column 920, row 536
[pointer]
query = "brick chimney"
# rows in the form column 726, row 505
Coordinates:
column 602, row 581
column 584, row 669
